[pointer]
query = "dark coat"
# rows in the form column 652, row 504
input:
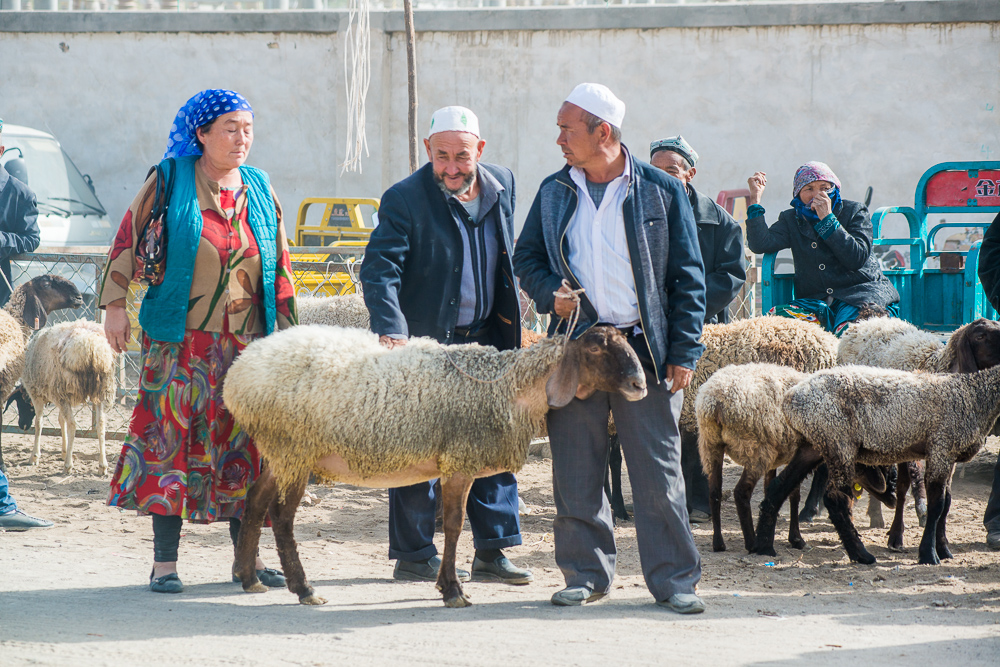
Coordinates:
column 721, row 242
column 412, row 271
column 660, row 231
column 842, row 266
column 989, row 263
column 18, row 225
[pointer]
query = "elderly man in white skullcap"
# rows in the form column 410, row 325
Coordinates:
column 437, row 265
column 624, row 232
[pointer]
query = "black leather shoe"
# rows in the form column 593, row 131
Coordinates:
column 993, row 539
column 426, row 571
column 500, row 570
column 268, row 576
column 168, row 583
column 18, row 521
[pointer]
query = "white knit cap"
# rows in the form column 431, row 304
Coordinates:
column 600, row 101
column 454, row 119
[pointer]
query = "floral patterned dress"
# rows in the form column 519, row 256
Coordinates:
column 184, row 454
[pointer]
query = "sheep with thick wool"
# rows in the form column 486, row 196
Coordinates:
column 333, row 402
column 860, row 415
column 345, row 310
column 71, row 364
column 894, row 343
column 27, row 310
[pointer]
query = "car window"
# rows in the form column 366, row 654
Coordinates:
column 53, row 177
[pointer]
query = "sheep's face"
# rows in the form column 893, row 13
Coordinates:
column 600, row 360
column 978, row 346
column 56, row 293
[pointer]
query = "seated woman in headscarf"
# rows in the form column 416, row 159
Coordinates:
column 831, row 243
column 227, row 281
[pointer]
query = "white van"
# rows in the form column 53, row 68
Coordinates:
column 69, row 213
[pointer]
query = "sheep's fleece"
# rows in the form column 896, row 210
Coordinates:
column 71, row 362
column 308, row 391
column 889, row 342
column 347, row 310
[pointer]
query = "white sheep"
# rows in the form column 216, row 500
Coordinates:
column 26, row 311
column 347, row 310
column 874, row 416
column 70, row 364
column 333, row 402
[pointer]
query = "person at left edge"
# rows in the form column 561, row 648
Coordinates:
column 439, row 265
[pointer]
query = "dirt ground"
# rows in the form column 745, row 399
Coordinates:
column 76, row 594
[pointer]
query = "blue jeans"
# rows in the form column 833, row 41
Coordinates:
column 491, row 508
column 7, row 504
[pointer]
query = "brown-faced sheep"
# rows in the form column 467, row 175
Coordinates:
column 856, row 414
column 28, row 309
column 70, row 364
column 355, row 412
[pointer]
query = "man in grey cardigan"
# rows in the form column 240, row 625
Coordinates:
column 624, row 232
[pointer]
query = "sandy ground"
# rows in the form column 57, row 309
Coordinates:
column 76, row 594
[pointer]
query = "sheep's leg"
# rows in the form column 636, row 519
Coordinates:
column 838, row 504
column 454, row 495
column 102, row 461
column 943, row 548
column 715, row 501
column 916, row 470
column 936, row 499
column 810, row 510
column 794, row 533
column 283, row 524
column 37, row 454
column 68, row 422
column 262, row 494
column 875, row 519
column 742, row 493
column 804, row 461
column 896, row 529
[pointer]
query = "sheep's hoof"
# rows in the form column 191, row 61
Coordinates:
column 931, row 559
column 797, row 543
column 922, row 516
column 718, row 545
column 765, row 551
column 312, row 599
column 864, row 558
column 895, row 543
column 944, row 552
column 458, row 602
column 255, row 587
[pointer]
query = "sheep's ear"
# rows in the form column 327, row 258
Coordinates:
column 34, row 312
column 562, row 385
column 965, row 358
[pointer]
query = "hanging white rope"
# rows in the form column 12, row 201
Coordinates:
column 357, row 75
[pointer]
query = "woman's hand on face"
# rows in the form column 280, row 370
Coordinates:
column 757, row 183
column 821, row 204
column 117, row 328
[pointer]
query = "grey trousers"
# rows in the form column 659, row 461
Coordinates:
column 584, row 537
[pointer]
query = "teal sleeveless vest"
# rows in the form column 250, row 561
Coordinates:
column 164, row 309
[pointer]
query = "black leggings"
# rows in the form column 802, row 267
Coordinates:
column 167, row 535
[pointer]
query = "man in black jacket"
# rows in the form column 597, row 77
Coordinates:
column 989, row 275
column 439, row 265
column 721, row 242
column 624, row 232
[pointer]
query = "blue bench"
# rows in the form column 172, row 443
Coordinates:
column 937, row 299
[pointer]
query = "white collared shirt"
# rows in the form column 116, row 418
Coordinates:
column 598, row 249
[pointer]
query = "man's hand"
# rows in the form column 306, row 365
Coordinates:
column 757, row 183
column 117, row 328
column 565, row 302
column 680, row 376
column 390, row 342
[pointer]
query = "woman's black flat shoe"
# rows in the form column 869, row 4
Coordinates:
column 268, row 576
column 168, row 583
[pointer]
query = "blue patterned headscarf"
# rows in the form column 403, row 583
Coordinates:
column 203, row 108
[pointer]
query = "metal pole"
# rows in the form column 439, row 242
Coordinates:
column 411, row 80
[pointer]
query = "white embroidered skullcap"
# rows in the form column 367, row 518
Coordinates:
column 600, row 101
column 454, row 119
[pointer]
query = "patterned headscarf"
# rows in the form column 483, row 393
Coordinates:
column 203, row 108
column 813, row 171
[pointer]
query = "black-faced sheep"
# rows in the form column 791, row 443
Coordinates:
column 855, row 414
column 27, row 311
column 353, row 411
column 894, row 343
column 70, row 364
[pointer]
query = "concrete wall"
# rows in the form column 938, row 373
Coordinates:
column 880, row 91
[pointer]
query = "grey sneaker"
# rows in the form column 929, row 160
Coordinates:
column 18, row 521
column 574, row 596
column 683, row 603
column 428, row 571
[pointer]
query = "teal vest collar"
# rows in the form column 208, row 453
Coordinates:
column 163, row 314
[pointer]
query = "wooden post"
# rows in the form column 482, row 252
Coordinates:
column 411, row 80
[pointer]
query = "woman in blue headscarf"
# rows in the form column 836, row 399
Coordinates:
column 831, row 243
column 227, row 281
